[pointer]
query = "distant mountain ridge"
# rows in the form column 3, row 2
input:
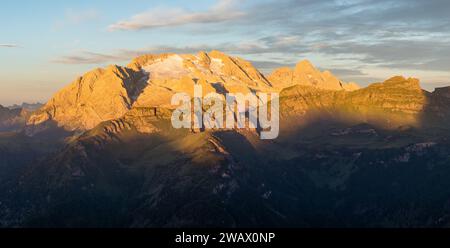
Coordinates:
column 13, row 119
column 27, row 106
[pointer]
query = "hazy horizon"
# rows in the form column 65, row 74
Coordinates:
column 45, row 47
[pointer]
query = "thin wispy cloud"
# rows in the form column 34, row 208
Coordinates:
column 9, row 45
column 224, row 10
column 122, row 55
column 86, row 57
column 260, row 46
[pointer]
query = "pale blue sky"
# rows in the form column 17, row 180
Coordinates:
column 45, row 45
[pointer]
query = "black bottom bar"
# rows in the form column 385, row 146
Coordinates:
column 258, row 238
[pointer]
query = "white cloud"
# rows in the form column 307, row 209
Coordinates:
column 121, row 55
column 86, row 57
column 9, row 45
column 223, row 11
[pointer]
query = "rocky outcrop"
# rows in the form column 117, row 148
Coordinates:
column 142, row 119
column 397, row 101
column 97, row 96
column 306, row 74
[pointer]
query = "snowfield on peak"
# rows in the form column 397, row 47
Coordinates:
column 171, row 67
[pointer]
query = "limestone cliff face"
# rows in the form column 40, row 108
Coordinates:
column 148, row 81
column 99, row 95
column 397, row 101
column 397, row 94
column 141, row 120
column 306, row 74
column 214, row 71
column 214, row 66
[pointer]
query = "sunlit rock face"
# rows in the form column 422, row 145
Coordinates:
column 99, row 95
column 395, row 102
column 150, row 81
column 214, row 71
column 306, row 74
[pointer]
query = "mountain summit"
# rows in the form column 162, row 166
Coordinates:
column 305, row 73
column 151, row 80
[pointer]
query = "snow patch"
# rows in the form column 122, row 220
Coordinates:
column 217, row 65
column 172, row 67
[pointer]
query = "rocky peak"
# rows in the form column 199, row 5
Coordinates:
column 240, row 69
column 215, row 71
column 306, row 74
column 148, row 81
column 402, row 82
column 305, row 66
column 214, row 64
column 99, row 95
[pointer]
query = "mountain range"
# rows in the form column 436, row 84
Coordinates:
column 102, row 152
